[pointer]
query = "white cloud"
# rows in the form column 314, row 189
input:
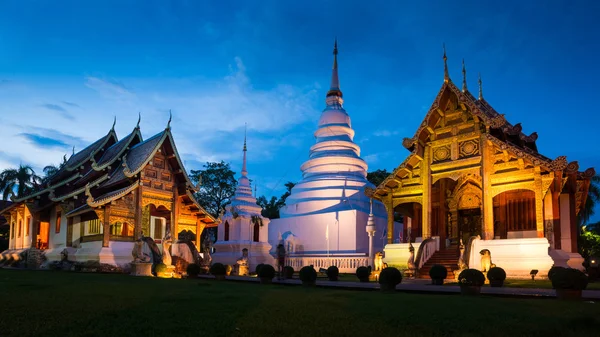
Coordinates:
column 385, row 133
column 109, row 88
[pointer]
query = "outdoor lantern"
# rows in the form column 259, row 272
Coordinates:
column 594, row 262
column 533, row 273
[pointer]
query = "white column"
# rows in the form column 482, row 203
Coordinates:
column 565, row 223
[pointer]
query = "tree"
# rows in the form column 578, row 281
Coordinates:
column 593, row 199
column 52, row 169
column 589, row 241
column 378, row 176
column 217, row 186
column 23, row 180
column 270, row 208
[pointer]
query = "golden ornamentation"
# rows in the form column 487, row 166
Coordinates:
column 441, row 153
column 146, row 220
column 573, row 167
column 469, row 148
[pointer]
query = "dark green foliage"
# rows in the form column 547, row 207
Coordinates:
column 333, row 273
column 217, row 186
column 377, row 177
column 390, row 276
column 193, row 270
column 270, row 208
column 257, row 269
column 438, row 272
column 266, row 271
column 217, row 269
column 363, row 273
column 496, row 274
column 308, row 274
column 471, row 277
column 568, row 278
column 288, row 272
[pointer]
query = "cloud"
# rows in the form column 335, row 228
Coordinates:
column 71, row 104
column 109, row 88
column 44, row 142
column 50, row 138
column 62, row 111
column 385, row 133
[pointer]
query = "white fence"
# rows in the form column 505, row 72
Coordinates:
column 344, row 263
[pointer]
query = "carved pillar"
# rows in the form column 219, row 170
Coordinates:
column 199, row 228
column 106, row 226
column 389, row 206
column 442, row 213
column 35, row 225
column 573, row 222
column 557, row 186
column 175, row 213
column 70, row 232
column 137, row 230
column 426, row 180
column 487, row 167
column 539, row 203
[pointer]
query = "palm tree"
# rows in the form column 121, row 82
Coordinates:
column 593, row 200
column 52, row 169
column 23, row 180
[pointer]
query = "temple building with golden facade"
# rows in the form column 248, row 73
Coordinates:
column 472, row 178
column 104, row 198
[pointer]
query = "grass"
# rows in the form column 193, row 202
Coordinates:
column 45, row 303
column 542, row 284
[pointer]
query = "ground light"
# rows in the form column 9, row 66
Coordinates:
column 533, row 273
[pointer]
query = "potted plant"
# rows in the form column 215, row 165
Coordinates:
column 363, row 274
column 333, row 273
column 266, row 274
column 193, row 270
column 470, row 281
column 228, row 269
column 218, row 270
column 496, row 275
column 438, row 274
column 389, row 278
column 258, row 268
column 568, row 282
column 308, row 276
column 288, row 272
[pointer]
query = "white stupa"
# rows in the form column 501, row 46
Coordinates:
column 327, row 210
column 242, row 226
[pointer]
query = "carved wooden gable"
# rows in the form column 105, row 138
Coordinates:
column 158, row 174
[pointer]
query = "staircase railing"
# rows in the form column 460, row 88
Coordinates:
column 426, row 250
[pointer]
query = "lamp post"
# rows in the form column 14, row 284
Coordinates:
column 371, row 232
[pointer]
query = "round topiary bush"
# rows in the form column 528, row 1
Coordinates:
column 363, row 274
column 496, row 275
column 389, row 278
column 288, row 272
column 217, row 269
column 266, row 273
column 333, row 273
column 308, row 275
column 470, row 281
column 193, row 270
column 569, row 278
column 438, row 273
column 553, row 270
column 160, row 268
column 258, row 268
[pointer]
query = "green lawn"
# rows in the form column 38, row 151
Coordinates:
column 43, row 303
column 543, row 284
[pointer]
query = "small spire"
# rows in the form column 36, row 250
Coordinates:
column 464, row 71
column 73, row 152
column 446, row 76
column 114, row 123
column 139, row 120
column 334, row 89
column 170, row 117
column 255, row 184
column 244, row 169
column 480, row 88
column 245, row 132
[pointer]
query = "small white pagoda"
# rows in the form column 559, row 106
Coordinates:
column 242, row 226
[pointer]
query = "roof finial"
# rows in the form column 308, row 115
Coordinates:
column 170, row 117
column 73, row 152
column 139, row 120
column 114, row 123
column 464, row 71
column 245, row 132
column 480, row 89
column 446, row 76
column 244, row 169
column 334, row 89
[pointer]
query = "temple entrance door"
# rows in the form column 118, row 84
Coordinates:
column 469, row 223
column 43, row 235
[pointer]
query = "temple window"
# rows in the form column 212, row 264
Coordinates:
column 226, row 238
column 256, row 232
column 156, row 228
column 27, row 225
column 126, row 229
column 20, row 229
column 115, row 229
column 93, row 227
column 58, row 219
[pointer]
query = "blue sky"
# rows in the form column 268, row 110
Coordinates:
column 67, row 68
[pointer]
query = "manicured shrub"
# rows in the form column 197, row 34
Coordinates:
column 363, row 273
column 258, row 268
column 389, row 278
column 471, row 277
column 553, row 270
column 496, row 274
column 438, row 273
column 288, row 272
column 333, row 273
column 308, row 275
column 569, row 278
column 266, row 271
column 193, row 270
column 160, row 268
column 218, row 269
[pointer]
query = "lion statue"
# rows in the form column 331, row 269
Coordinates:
column 379, row 264
column 486, row 260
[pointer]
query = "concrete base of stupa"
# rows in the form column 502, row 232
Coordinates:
column 228, row 252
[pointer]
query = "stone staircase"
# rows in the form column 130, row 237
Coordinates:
column 447, row 257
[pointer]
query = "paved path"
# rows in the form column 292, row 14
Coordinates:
column 422, row 286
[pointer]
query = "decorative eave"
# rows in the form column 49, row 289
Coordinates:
column 130, row 172
column 78, row 191
column 102, row 200
column 93, row 152
column 404, row 166
column 193, row 199
column 535, row 158
column 118, row 155
column 48, row 189
column 189, row 183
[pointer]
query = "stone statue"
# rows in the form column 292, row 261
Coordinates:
column 461, row 259
column 550, row 234
column 242, row 263
column 207, row 259
column 166, row 244
column 138, row 252
column 411, row 257
column 486, row 260
column 64, row 255
column 379, row 264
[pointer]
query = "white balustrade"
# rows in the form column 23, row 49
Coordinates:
column 344, row 264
